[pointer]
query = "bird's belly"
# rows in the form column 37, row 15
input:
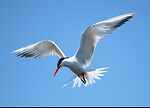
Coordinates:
column 76, row 68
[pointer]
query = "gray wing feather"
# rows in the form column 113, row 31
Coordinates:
column 40, row 49
column 94, row 33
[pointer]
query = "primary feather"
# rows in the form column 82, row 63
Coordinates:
column 91, row 36
column 40, row 49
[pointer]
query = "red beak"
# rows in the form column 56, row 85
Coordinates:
column 56, row 70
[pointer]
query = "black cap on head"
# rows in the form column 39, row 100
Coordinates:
column 60, row 60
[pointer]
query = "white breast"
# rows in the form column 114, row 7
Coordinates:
column 73, row 65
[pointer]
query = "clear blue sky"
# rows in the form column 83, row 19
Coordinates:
column 30, row 82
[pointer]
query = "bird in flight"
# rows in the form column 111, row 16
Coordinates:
column 79, row 62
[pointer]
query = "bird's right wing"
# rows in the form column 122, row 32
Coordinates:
column 40, row 49
column 91, row 36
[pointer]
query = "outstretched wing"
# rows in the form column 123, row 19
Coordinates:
column 94, row 33
column 40, row 49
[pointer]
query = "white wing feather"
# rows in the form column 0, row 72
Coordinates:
column 40, row 49
column 94, row 33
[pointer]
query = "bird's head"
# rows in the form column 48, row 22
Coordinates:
column 59, row 64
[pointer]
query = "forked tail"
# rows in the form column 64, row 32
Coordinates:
column 89, row 77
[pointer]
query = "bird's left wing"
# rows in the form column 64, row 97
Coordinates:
column 40, row 49
column 94, row 33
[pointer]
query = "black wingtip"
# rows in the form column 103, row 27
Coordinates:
column 122, row 21
column 26, row 55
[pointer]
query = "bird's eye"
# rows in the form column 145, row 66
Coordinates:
column 59, row 61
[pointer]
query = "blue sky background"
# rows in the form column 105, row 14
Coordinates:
column 30, row 82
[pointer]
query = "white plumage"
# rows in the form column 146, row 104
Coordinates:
column 82, row 58
column 40, row 49
column 96, row 32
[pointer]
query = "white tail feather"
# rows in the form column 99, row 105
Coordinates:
column 90, row 77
